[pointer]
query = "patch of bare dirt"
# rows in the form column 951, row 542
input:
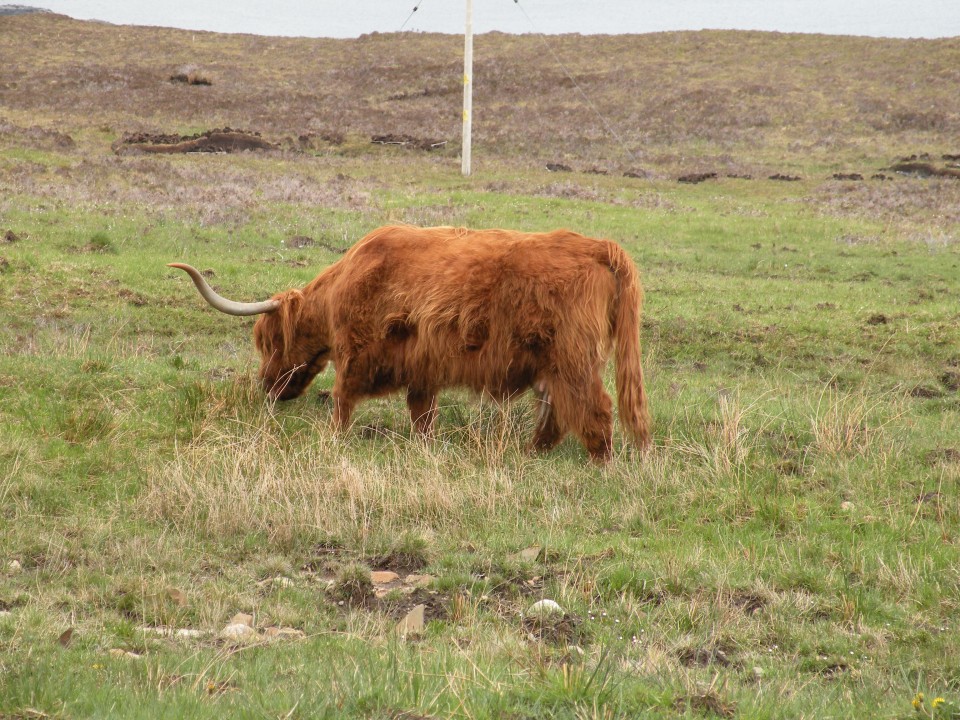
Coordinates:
column 919, row 169
column 132, row 297
column 190, row 78
column 437, row 605
column 925, row 392
column 424, row 93
column 749, row 602
column 407, row 141
column 567, row 629
column 36, row 136
column 299, row 241
column 316, row 141
column 924, row 165
column 225, row 140
column 950, row 379
column 706, row 703
column 943, row 456
column 703, row 657
column 695, row 178
column 399, row 561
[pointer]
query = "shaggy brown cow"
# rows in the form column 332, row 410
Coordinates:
column 493, row 310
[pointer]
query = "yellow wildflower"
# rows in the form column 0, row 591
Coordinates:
column 917, row 701
column 937, row 702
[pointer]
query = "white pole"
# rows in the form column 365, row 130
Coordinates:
column 467, row 90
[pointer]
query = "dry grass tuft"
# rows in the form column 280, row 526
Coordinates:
column 846, row 424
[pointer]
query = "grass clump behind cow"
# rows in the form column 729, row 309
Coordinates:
column 423, row 309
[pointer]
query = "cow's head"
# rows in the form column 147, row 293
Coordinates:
column 293, row 346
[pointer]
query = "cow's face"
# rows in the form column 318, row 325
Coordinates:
column 292, row 350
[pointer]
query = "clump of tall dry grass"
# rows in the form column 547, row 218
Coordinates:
column 249, row 474
column 848, row 424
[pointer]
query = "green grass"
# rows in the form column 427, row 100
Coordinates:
column 787, row 549
column 769, row 557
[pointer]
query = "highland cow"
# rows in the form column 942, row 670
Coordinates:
column 497, row 311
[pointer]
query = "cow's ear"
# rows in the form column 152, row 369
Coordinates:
column 291, row 310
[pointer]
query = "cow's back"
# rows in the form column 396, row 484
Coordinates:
column 483, row 308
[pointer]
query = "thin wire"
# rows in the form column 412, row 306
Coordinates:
column 543, row 38
column 415, row 8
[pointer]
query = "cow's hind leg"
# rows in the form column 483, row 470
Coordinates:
column 423, row 410
column 548, row 432
column 587, row 410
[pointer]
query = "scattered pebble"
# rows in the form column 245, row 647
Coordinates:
column 237, row 631
column 120, row 653
column 242, row 619
column 544, row 608
column 383, row 577
column 283, row 633
column 280, row 581
column 419, row 580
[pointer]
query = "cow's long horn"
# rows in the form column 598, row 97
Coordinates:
column 221, row 303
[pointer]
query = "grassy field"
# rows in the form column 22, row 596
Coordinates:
column 788, row 549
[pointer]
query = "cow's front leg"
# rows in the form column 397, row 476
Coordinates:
column 344, row 399
column 548, row 432
column 342, row 411
column 423, row 410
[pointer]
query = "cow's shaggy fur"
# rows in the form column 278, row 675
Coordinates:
column 493, row 310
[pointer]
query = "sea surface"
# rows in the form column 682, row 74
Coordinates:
column 352, row 18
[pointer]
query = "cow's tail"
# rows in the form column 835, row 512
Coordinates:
column 631, row 395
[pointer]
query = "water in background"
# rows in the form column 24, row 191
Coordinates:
column 351, row 18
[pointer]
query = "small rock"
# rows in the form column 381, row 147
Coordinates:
column 158, row 631
column 545, row 608
column 846, row 506
column 177, row 596
column 280, row 581
column 242, row 619
column 120, row 653
column 413, row 623
column 237, row 631
column 14, row 567
column 283, row 633
column 383, row 577
column 757, row 672
column 530, row 554
column 419, row 580
column 188, row 633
